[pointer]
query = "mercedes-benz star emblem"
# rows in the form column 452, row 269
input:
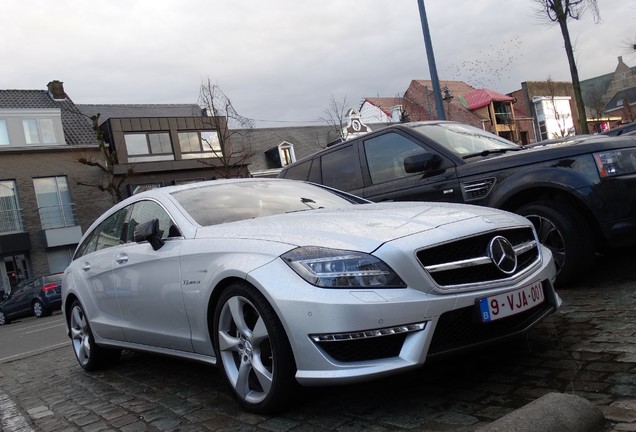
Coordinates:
column 503, row 254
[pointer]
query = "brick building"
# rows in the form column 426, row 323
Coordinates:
column 46, row 202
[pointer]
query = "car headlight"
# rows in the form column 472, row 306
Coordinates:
column 613, row 163
column 333, row 268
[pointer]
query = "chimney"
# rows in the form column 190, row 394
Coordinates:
column 56, row 90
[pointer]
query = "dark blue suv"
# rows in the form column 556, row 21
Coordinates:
column 37, row 296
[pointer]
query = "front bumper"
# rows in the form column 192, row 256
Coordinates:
column 345, row 335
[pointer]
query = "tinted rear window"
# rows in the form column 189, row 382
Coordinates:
column 298, row 172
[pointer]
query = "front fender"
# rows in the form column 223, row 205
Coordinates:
column 574, row 177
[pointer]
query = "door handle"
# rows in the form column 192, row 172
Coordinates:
column 86, row 267
column 121, row 259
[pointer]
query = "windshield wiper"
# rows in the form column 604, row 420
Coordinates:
column 485, row 153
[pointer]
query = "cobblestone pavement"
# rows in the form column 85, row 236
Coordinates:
column 588, row 348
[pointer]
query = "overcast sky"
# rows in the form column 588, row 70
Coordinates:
column 280, row 61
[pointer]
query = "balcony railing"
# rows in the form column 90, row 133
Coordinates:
column 59, row 216
column 11, row 221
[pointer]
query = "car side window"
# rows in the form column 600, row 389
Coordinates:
column 30, row 285
column 385, row 156
column 341, row 169
column 18, row 288
column 105, row 235
column 145, row 211
column 110, row 233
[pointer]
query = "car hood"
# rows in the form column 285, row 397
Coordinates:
column 556, row 150
column 365, row 227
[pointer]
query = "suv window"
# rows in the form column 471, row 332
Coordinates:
column 299, row 171
column 341, row 169
column 385, row 156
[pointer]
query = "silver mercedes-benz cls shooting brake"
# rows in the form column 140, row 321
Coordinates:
column 282, row 283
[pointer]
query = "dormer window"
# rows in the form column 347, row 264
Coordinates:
column 286, row 152
column 148, row 147
column 31, row 127
column 38, row 131
column 281, row 155
column 200, row 144
column 4, row 134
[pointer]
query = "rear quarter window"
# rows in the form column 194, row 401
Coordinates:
column 341, row 169
column 298, row 171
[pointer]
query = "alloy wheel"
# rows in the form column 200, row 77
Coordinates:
column 80, row 335
column 245, row 349
column 38, row 309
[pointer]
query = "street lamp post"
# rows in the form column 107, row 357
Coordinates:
column 431, row 62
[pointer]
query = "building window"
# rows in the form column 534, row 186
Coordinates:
column 197, row 144
column 38, row 131
column 54, row 202
column 4, row 135
column 287, row 156
column 148, row 144
column 59, row 258
column 543, row 130
column 10, row 215
column 17, row 269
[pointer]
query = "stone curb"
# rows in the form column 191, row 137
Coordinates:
column 553, row 412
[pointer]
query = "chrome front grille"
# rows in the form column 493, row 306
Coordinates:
column 475, row 260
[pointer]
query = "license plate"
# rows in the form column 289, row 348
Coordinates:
column 511, row 303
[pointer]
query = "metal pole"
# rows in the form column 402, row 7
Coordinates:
column 431, row 62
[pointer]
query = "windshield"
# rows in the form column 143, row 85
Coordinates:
column 464, row 139
column 214, row 204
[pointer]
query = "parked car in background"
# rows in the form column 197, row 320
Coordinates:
column 38, row 296
column 283, row 282
column 579, row 192
column 621, row 130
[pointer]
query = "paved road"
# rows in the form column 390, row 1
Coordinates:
column 25, row 337
column 588, row 348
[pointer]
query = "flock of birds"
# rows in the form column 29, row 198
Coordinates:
column 490, row 66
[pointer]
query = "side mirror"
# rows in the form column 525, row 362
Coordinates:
column 422, row 162
column 149, row 231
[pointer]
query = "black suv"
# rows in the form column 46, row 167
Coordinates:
column 579, row 192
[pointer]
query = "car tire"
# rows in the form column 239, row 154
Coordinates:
column 3, row 318
column 89, row 355
column 253, row 351
column 568, row 236
column 39, row 310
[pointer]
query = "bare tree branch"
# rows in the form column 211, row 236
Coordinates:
column 106, row 164
column 336, row 114
column 234, row 148
column 560, row 11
